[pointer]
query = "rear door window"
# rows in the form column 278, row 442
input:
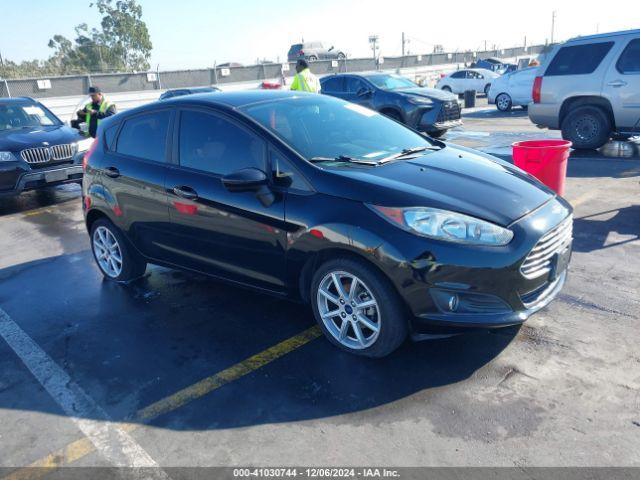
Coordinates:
column 334, row 84
column 145, row 136
column 578, row 59
column 629, row 61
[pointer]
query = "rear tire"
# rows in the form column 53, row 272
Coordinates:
column 341, row 56
column 114, row 255
column 586, row 127
column 312, row 58
column 503, row 102
column 374, row 330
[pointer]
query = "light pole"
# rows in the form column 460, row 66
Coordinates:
column 553, row 24
column 373, row 41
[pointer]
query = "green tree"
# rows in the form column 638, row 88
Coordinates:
column 122, row 43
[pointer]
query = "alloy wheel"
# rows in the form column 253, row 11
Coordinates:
column 503, row 102
column 107, row 252
column 348, row 310
column 586, row 128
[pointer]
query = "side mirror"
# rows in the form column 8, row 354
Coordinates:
column 330, row 48
column 245, row 180
column 363, row 92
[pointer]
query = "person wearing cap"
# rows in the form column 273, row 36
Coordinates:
column 96, row 110
column 305, row 81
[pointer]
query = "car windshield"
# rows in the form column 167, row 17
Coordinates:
column 25, row 115
column 391, row 82
column 323, row 127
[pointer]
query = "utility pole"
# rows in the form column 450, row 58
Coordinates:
column 373, row 41
column 403, row 41
column 485, row 45
column 553, row 24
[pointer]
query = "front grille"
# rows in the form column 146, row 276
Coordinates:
column 450, row 111
column 63, row 152
column 36, row 155
column 538, row 262
column 57, row 153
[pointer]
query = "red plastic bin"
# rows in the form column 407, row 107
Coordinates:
column 544, row 159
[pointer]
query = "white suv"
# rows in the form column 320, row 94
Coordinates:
column 589, row 87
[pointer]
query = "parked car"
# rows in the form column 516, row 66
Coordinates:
column 384, row 231
column 495, row 65
column 313, row 51
column 177, row 92
column 589, row 87
column 424, row 109
column 36, row 148
column 512, row 89
column 478, row 79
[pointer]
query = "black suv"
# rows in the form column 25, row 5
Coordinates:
column 384, row 231
column 36, row 148
column 425, row 109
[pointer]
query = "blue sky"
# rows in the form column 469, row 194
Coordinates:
column 195, row 33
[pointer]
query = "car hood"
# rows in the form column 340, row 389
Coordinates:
column 18, row 139
column 432, row 93
column 455, row 179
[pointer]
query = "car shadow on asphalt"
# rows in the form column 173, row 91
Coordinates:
column 44, row 197
column 488, row 113
column 593, row 232
column 130, row 346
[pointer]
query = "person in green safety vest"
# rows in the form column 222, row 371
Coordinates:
column 96, row 110
column 305, row 81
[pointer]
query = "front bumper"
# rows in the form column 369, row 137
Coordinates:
column 444, row 116
column 34, row 179
column 450, row 289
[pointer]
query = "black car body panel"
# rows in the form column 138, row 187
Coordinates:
column 54, row 161
column 440, row 112
column 275, row 245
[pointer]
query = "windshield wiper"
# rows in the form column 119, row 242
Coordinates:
column 343, row 158
column 408, row 152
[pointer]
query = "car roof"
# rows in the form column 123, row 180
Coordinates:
column 604, row 35
column 17, row 100
column 236, row 99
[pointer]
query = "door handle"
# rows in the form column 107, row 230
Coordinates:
column 185, row 192
column 617, row 83
column 112, row 172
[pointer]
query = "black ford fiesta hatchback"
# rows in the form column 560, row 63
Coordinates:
column 386, row 233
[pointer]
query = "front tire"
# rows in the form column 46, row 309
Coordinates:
column 503, row 102
column 357, row 308
column 446, row 88
column 312, row 58
column 115, row 257
column 586, row 127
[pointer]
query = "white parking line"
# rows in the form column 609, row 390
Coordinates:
column 116, row 445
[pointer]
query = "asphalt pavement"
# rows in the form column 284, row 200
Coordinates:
column 179, row 370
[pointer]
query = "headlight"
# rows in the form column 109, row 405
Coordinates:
column 6, row 157
column 84, row 145
column 421, row 101
column 445, row 225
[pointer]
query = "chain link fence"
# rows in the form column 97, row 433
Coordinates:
column 48, row 87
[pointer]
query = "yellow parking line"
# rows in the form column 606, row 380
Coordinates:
column 80, row 448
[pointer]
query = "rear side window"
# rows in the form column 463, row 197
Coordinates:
column 145, row 136
column 110, row 135
column 629, row 61
column 460, row 74
column 213, row 144
column 578, row 59
column 332, row 84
